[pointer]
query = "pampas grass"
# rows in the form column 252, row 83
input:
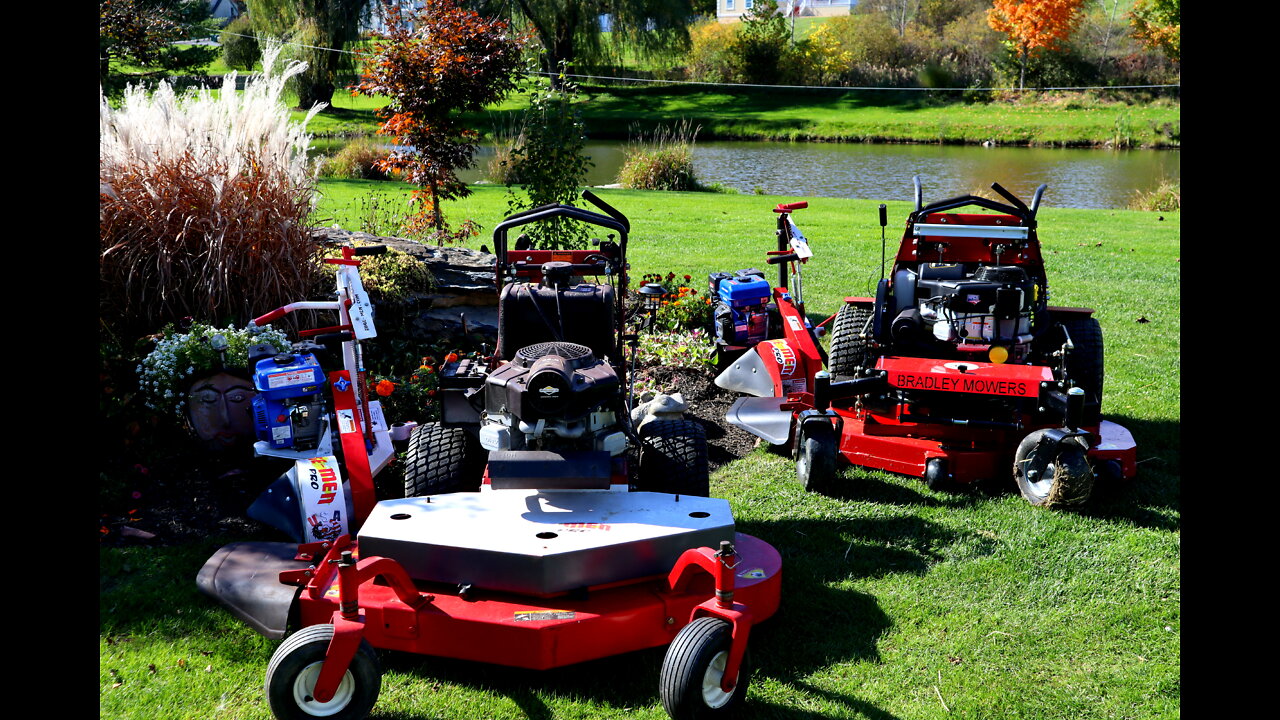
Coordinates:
column 203, row 203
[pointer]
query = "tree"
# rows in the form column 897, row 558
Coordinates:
column 570, row 30
column 899, row 12
column 1033, row 26
column 761, row 43
column 550, row 164
column 1158, row 24
column 317, row 32
column 442, row 60
column 142, row 32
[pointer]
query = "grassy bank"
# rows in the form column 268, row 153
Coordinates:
column 898, row 602
column 1074, row 120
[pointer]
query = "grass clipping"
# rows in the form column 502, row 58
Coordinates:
column 203, row 202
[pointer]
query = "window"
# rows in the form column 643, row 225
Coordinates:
column 728, row 4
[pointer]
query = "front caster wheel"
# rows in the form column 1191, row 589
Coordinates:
column 692, row 670
column 816, row 457
column 1052, row 474
column 295, row 665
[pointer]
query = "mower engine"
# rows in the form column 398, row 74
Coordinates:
column 993, row 306
column 289, row 410
column 554, row 396
column 741, row 313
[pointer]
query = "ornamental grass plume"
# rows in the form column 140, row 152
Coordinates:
column 203, row 203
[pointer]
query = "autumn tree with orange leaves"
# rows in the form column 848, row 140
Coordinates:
column 440, row 61
column 1033, row 26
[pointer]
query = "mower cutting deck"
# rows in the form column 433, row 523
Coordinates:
column 957, row 371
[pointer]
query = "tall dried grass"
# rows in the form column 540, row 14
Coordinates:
column 203, row 203
column 662, row 160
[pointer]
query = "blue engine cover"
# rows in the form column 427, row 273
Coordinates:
column 284, row 383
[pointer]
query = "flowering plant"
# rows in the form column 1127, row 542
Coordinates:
column 670, row 350
column 682, row 309
column 180, row 358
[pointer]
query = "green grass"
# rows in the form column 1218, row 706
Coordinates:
column 898, row 601
column 828, row 115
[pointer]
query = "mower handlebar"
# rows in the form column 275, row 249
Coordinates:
column 790, row 207
column 369, row 250
column 775, row 259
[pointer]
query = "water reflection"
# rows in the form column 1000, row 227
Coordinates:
column 1078, row 178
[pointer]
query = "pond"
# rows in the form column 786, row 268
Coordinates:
column 1077, row 178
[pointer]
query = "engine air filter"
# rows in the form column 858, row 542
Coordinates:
column 576, row 356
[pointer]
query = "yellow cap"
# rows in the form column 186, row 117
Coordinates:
column 998, row 354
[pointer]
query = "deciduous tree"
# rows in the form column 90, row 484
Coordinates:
column 1033, row 26
column 318, row 33
column 570, row 30
column 441, row 60
column 1158, row 23
column 142, row 32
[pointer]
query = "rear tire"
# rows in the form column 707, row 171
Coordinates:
column 690, row 679
column 1067, row 480
column 673, row 458
column 1085, row 364
column 848, row 348
column 440, row 460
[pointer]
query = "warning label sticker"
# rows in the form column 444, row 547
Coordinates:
column 753, row 574
column 531, row 615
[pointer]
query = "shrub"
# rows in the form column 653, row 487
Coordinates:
column 357, row 159
column 710, row 58
column 548, row 161
column 1167, row 197
column 203, row 204
column 240, row 50
column 663, row 162
column 761, row 43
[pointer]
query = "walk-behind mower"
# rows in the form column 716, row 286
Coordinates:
column 958, row 371
column 557, row 558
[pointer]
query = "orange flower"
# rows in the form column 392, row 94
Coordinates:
column 451, row 357
column 385, row 387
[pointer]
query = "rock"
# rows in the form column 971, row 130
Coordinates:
column 462, row 309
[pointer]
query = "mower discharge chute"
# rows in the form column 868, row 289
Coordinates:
column 957, row 371
column 527, row 536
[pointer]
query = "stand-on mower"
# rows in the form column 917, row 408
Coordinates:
column 555, row 559
column 958, row 370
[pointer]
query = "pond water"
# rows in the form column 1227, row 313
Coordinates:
column 1077, row 178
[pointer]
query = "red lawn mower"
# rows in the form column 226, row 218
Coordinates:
column 564, row 552
column 958, row 371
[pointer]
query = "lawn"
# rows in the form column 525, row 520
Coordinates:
column 826, row 115
column 898, row 601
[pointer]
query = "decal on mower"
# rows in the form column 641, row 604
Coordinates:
column 794, row 323
column 321, row 498
column 961, row 383
column 289, row 379
column 346, row 421
column 583, row 527
column 784, row 356
column 532, row 615
column 753, row 574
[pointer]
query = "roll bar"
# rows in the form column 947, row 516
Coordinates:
column 1016, row 207
column 613, row 220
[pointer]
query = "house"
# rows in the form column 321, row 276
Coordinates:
column 226, row 9
column 731, row 10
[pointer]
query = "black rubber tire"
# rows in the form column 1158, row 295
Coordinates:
column 1067, row 482
column 302, row 653
column 691, row 662
column 937, row 475
column 1085, row 364
column 848, row 348
column 440, row 460
column 816, row 452
column 673, row 458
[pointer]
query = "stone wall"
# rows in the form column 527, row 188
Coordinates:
column 461, row 311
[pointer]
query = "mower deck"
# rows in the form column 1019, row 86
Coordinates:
column 501, row 628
